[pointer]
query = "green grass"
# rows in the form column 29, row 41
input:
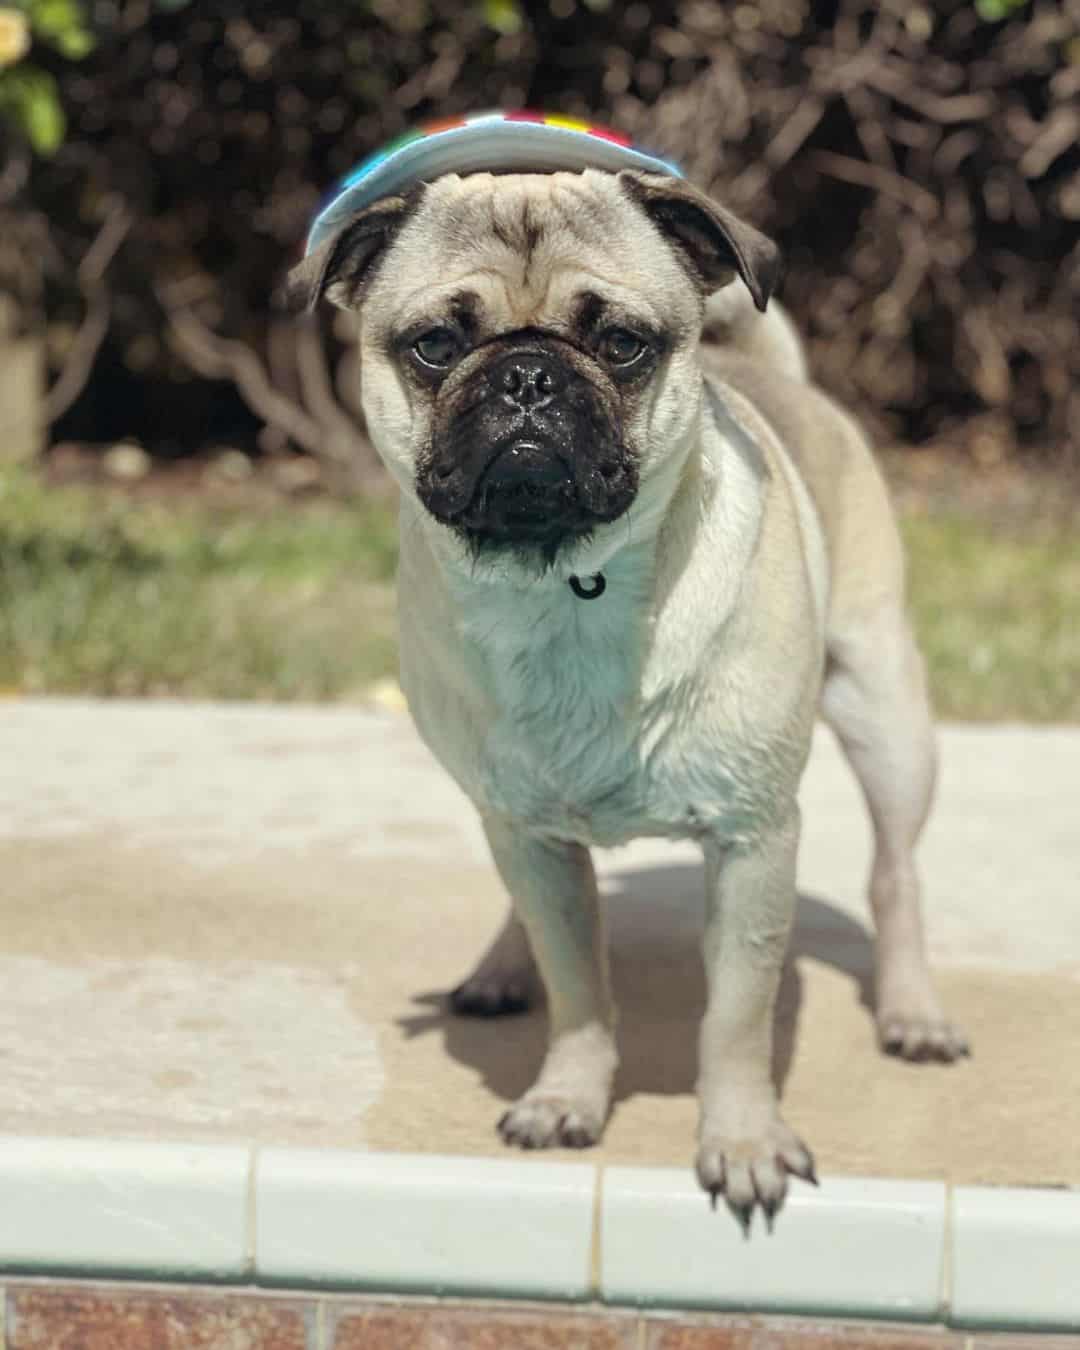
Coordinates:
column 997, row 609
column 101, row 593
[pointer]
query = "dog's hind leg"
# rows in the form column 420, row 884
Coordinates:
column 505, row 979
column 876, row 702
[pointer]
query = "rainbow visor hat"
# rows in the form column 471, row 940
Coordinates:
column 498, row 142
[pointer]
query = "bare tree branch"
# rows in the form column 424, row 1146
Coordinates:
column 221, row 358
column 891, row 79
column 347, row 379
column 315, row 422
column 889, row 184
column 342, row 442
column 14, row 175
column 315, row 386
column 87, row 342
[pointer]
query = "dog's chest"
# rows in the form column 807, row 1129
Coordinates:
column 583, row 738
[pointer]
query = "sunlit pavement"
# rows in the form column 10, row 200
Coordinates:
column 237, row 921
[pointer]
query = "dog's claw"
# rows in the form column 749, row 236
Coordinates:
column 750, row 1174
column 892, row 1040
column 770, row 1203
column 799, row 1162
column 743, row 1215
column 550, row 1122
column 574, row 1136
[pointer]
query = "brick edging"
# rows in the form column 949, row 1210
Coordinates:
column 43, row 1314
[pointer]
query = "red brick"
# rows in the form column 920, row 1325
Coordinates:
column 679, row 1335
column 762, row 1334
column 431, row 1327
column 118, row 1319
column 991, row 1340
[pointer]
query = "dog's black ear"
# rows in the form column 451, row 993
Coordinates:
column 713, row 242
column 341, row 267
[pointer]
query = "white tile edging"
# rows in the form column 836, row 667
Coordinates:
column 1015, row 1258
column 513, row 1228
column 853, row 1248
column 123, row 1208
column 423, row 1224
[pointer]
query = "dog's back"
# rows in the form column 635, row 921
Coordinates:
column 835, row 461
column 733, row 324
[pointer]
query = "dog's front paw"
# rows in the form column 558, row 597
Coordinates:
column 919, row 1036
column 752, row 1170
column 547, row 1120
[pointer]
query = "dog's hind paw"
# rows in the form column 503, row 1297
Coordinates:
column 921, row 1039
column 503, row 981
column 491, row 996
column 543, row 1121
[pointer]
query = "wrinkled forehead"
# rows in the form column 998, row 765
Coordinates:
column 526, row 249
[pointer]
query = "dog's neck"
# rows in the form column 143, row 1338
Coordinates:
column 573, row 670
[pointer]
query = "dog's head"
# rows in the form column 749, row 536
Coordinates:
column 529, row 341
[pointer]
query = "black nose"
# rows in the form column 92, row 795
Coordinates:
column 529, row 379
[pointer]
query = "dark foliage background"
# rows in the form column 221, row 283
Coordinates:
column 918, row 162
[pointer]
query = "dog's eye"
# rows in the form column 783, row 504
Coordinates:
column 438, row 348
column 620, row 347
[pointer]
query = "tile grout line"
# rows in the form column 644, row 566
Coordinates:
column 323, row 1326
column 321, row 1343
column 642, row 1335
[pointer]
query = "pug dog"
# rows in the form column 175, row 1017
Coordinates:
column 640, row 553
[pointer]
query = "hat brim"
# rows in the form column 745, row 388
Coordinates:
column 497, row 145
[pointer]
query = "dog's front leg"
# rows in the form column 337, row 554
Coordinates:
column 553, row 888
column 745, row 1149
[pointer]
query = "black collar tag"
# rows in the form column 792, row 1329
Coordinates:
column 592, row 592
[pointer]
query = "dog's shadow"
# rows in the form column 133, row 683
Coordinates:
column 655, row 917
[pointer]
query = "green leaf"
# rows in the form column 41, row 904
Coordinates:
column 29, row 96
column 49, row 18
column 45, row 122
column 993, row 11
column 503, row 15
column 62, row 24
column 75, row 44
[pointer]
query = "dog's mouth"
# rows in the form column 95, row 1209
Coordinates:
column 530, row 454
column 527, row 493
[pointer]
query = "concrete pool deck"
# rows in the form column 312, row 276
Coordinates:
column 233, row 925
